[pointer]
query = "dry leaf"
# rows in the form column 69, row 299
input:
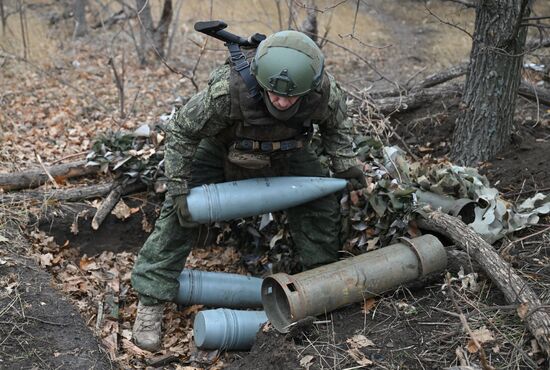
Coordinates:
column 45, row 259
column 359, row 357
column 306, row 361
column 146, row 225
column 88, row 264
column 368, row 305
column 74, row 227
column 522, row 310
column 276, row 238
column 354, row 197
column 359, row 341
column 482, row 335
column 121, row 210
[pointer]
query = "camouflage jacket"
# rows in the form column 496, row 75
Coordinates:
column 207, row 114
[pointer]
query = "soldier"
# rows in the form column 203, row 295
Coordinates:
column 225, row 133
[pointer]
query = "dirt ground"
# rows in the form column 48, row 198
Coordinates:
column 414, row 327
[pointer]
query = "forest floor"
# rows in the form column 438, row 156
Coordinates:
column 65, row 295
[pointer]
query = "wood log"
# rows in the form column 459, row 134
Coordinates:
column 430, row 81
column 107, row 205
column 36, row 177
column 67, row 195
column 415, row 99
column 514, row 288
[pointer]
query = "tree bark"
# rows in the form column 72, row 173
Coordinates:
column 80, row 27
column 514, row 288
column 414, row 99
column 153, row 39
column 309, row 25
column 36, row 177
column 107, row 205
column 492, row 81
column 161, row 31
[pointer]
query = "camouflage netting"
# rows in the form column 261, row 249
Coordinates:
column 373, row 217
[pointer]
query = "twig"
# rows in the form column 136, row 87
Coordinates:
column 69, row 157
column 46, row 322
column 50, row 177
column 482, row 356
column 447, row 23
column 507, row 248
column 507, row 195
column 119, row 81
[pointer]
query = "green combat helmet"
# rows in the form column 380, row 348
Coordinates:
column 288, row 63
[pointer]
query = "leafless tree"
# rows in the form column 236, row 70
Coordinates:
column 153, row 38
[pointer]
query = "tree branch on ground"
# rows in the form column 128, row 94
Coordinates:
column 501, row 273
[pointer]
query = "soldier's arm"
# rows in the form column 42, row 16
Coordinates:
column 337, row 130
column 205, row 115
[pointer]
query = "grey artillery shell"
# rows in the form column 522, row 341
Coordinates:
column 237, row 199
column 289, row 298
column 465, row 208
column 227, row 329
column 218, row 289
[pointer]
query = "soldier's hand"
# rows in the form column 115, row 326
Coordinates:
column 355, row 176
column 182, row 210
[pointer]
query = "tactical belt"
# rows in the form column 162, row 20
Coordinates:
column 241, row 65
column 268, row 146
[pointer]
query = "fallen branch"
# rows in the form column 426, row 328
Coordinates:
column 514, row 288
column 530, row 91
column 107, row 205
column 67, row 195
column 415, row 99
column 36, row 177
column 430, row 81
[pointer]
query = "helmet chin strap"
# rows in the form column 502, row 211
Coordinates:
column 281, row 115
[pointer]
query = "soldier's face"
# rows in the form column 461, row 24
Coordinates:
column 282, row 102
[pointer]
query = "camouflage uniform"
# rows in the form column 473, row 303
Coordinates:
column 197, row 148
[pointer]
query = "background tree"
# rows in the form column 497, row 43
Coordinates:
column 79, row 9
column 153, row 38
column 492, row 81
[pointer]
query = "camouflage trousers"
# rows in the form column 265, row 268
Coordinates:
column 314, row 226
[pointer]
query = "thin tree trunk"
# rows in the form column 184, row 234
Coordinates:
column 161, row 32
column 80, row 27
column 146, row 29
column 153, row 39
column 492, row 81
column 309, row 25
column 3, row 17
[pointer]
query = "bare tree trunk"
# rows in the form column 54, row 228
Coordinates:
column 490, row 92
column 146, row 29
column 309, row 25
column 80, row 27
column 153, row 39
column 3, row 17
column 161, row 32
